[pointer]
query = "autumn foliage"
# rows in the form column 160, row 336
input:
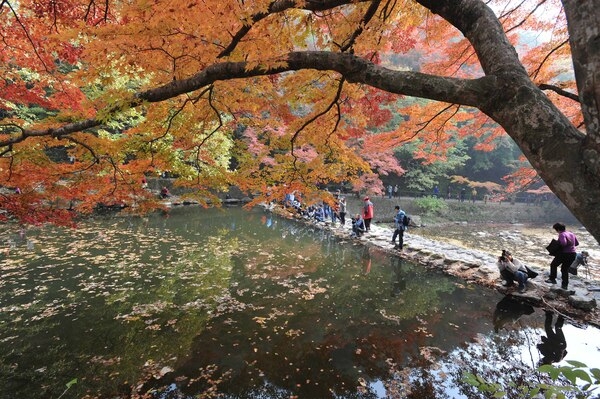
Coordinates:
column 90, row 67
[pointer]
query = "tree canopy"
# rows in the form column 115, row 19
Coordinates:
column 268, row 94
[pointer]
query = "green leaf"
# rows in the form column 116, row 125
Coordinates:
column 499, row 394
column 569, row 375
column 586, row 387
column 582, row 375
column 470, row 379
column 549, row 369
column 576, row 363
column 71, row 383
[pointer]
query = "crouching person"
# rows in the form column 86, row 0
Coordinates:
column 512, row 269
column 358, row 226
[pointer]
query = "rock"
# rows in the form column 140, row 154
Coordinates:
column 562, row 292
column 583, row 303
column 551, row 295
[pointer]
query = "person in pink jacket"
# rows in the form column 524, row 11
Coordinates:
column 368, row 213
column 565, row 257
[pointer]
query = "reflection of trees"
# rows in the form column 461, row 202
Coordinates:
column 310, row 333
column 292, row 311
column 118, row 291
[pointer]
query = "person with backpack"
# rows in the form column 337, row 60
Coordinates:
column 401, row 221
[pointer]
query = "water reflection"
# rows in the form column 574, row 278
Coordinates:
column 510, row 310
column 398, row 279
column 554, row 345
column 243, row 304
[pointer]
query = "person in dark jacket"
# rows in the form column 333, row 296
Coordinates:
column 565, row 257
column 399, row 228
column 358, row 226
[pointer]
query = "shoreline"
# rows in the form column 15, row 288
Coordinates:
column 475, row 266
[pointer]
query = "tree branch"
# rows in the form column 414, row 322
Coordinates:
column 559, row 91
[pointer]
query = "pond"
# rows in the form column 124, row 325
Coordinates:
column 243, row 304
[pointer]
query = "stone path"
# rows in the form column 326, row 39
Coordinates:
column 479, row 267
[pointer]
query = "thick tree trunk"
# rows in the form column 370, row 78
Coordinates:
column 583, row 17
column 566, row 159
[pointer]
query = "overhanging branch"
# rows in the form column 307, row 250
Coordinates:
column 472, row 92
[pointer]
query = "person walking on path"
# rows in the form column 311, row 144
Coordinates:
column 390, row 191
column 396, row 191
column 399, row 228
column 342, row 209
column 565, row 257
column 368, row 213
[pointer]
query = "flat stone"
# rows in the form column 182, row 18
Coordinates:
column 583, row 303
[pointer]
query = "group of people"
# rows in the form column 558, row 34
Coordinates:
column 319, row 212
column 361, row 223
column 565, row 256
column 392, row 191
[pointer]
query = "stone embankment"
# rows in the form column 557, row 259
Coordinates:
column 479, row 267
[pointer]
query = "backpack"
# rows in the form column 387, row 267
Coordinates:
column 406, row 220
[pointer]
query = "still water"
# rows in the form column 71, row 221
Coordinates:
column 242, row 304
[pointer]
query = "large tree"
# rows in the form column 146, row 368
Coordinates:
column 289, row 89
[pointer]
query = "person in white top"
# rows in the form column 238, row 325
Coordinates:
column 512, row 269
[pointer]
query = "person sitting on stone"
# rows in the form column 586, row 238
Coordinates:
column 358, row 226
column 512, row 269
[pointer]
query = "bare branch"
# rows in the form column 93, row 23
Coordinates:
column 29, row 39
column 537, row 70
column 361, row 26
column 559, row 91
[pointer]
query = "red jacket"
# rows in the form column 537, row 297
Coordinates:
column 368, row 210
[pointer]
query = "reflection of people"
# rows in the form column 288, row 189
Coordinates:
column 398, row 281
column 366, row 260
column 565, row 257
column 510, row 309
column 553, row 347
column 512, row 269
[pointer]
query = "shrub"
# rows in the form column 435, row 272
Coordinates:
column 431, row 206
